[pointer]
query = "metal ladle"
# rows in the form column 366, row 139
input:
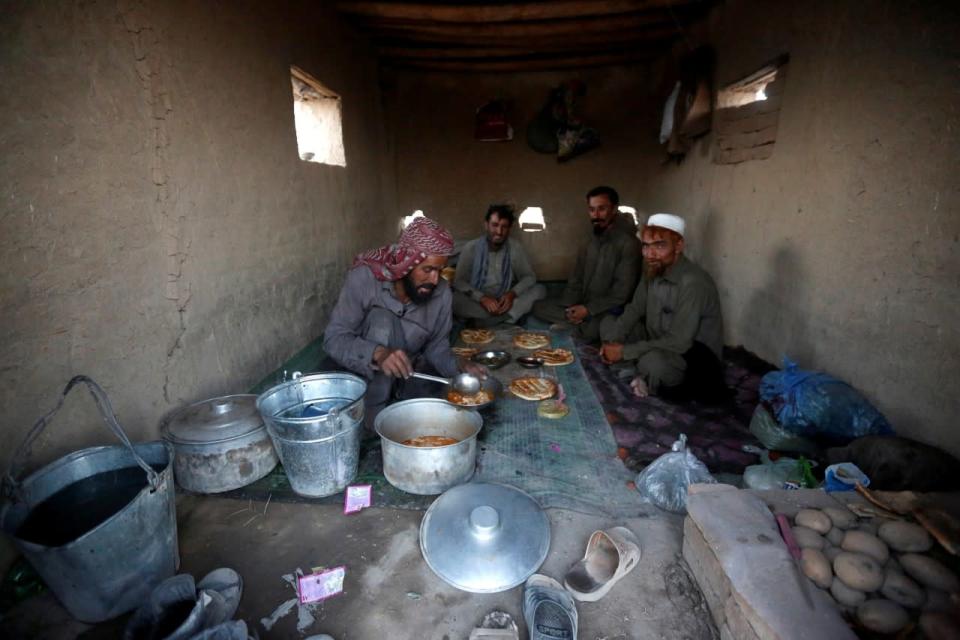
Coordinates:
column 465, row 383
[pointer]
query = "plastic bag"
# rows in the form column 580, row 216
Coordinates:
column 772, row 436
column 665, row 480
column 812, row 403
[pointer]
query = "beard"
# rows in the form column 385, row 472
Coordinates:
column 416, row 295
column 599, row 226
column 652, row 271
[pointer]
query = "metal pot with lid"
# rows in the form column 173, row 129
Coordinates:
column 221, row 444
column 484, row 537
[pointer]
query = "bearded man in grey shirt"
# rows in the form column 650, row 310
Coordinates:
column 495, row 282
column 393, row 317
column 670, row 336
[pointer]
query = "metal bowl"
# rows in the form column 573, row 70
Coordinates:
column 491, row 359
column 529, row 362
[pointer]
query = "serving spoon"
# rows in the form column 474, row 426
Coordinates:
column 465, row 383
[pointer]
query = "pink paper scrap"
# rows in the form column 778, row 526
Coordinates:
column 320, row 586
column 357, row 497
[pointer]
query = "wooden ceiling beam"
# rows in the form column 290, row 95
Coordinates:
column 523, row 64
column 581, row 40
column 520, row 11
column 560, row 28
column 490, row 52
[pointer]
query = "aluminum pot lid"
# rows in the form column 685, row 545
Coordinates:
column 214, row 420
column 484, row 538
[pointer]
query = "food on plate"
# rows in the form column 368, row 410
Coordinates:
column 530, row 340
column 554, row 357
column 430, row 441
column 470, row 400
column 533, row 388
column 552, row 409
column 464, row 352
column 477, row 336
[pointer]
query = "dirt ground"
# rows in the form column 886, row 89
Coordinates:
column 390, row 592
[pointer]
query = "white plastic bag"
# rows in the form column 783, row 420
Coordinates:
column 664, row 482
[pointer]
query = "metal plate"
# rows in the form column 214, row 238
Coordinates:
column 484, row 537
column 491, row 359
column 214, row 420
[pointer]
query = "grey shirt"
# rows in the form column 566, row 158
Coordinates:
column 677, row 308
column 605, row 273
column 354, row 332
column 523, row 273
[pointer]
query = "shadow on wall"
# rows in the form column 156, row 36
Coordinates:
column 775, row 317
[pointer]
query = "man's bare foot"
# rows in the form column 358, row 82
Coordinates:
column 639, row 387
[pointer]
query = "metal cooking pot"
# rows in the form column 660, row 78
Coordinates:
column 428, row 470
column 221, row 444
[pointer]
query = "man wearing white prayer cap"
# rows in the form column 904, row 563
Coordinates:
column 669, row 339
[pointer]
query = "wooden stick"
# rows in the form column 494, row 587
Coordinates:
column 505, row 12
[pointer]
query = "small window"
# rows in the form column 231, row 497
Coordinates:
column 531, row 219
column 748, row 112
column 630, row 211
column 317, row 117
column 406, row 220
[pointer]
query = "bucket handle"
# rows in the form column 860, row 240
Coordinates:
column 22, row 454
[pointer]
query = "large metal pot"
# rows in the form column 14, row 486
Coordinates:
column 428, row 470
column 221, row 444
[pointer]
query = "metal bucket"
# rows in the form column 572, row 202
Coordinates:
column 99, row 525
column 316, row 424
column 428, row 470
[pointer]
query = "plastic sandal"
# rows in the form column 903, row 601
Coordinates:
column 548, row 610
column 610, row 555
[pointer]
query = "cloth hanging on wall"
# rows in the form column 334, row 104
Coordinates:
column 557, row 129
column 492, row 124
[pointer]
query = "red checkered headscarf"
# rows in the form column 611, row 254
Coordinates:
column 423, row 237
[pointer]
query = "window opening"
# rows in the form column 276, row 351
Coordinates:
column 630, row 211
column 317, row 115
column 748, row 113
column 406, row 220
column 531, row 219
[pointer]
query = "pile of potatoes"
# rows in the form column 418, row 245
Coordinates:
column 876, row 571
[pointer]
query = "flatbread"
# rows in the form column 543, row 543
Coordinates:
column 480, row 397
column 528, row 340
column 552, row 409
column 532, row 388
column 554, row 357
column 477, row 336
column 464, row 352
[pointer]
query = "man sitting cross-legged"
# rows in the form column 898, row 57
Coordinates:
column 672, row 331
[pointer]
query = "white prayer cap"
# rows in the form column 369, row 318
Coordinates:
column 667, row 221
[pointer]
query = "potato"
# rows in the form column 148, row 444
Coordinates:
column 808, row 538
column 835, row 536
column 868, row 526
column 816, row 567
column 846, row 596
column 858, row 570
column 841, row 518
column 813, row 519
column 939, row 625
column 901, row 589
column 905, row 536
column 929, row 572
column 862, row 542
column 882, row 616
column 831, row 552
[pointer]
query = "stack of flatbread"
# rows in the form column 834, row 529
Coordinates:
column 477, row 336
column 554, row 357
column 532, row 388
column 529, row 340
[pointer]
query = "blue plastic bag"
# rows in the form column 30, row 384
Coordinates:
column 811, row 403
